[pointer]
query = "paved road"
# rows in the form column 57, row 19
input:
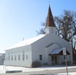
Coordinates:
column 45, row 72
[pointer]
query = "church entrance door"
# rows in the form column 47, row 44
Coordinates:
column 54, row 59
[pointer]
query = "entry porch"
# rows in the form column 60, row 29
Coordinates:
column 57, row 56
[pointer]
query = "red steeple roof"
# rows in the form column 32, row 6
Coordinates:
column 50, row 20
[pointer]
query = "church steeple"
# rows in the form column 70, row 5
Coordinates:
column 50, row 25
column 50, row 20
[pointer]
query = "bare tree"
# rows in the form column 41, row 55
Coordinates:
column 66, row 25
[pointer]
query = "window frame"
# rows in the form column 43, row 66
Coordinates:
column 40, row 57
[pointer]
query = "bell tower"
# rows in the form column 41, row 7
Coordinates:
column 50, row 25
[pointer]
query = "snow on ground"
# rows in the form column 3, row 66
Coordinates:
column 72, row 73
column 4, row 68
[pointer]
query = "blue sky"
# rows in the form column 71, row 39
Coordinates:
column 22, row 18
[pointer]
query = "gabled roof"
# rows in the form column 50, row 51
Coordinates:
column 50, row 20
column 28, row 41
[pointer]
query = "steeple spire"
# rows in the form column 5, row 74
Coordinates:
column 50, row 20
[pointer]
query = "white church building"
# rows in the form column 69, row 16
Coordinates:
column 46, row 48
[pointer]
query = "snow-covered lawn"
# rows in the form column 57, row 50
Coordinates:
column 4, row 68
column 74, row 73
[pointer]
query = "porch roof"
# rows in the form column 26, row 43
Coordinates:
column 58, row 51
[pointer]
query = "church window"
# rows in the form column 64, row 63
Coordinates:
column 40, row 57
column 15, row 57
column 23, row 56
column 12, row 57
column 8, row 56
column 26, row 57
column 18, row 57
